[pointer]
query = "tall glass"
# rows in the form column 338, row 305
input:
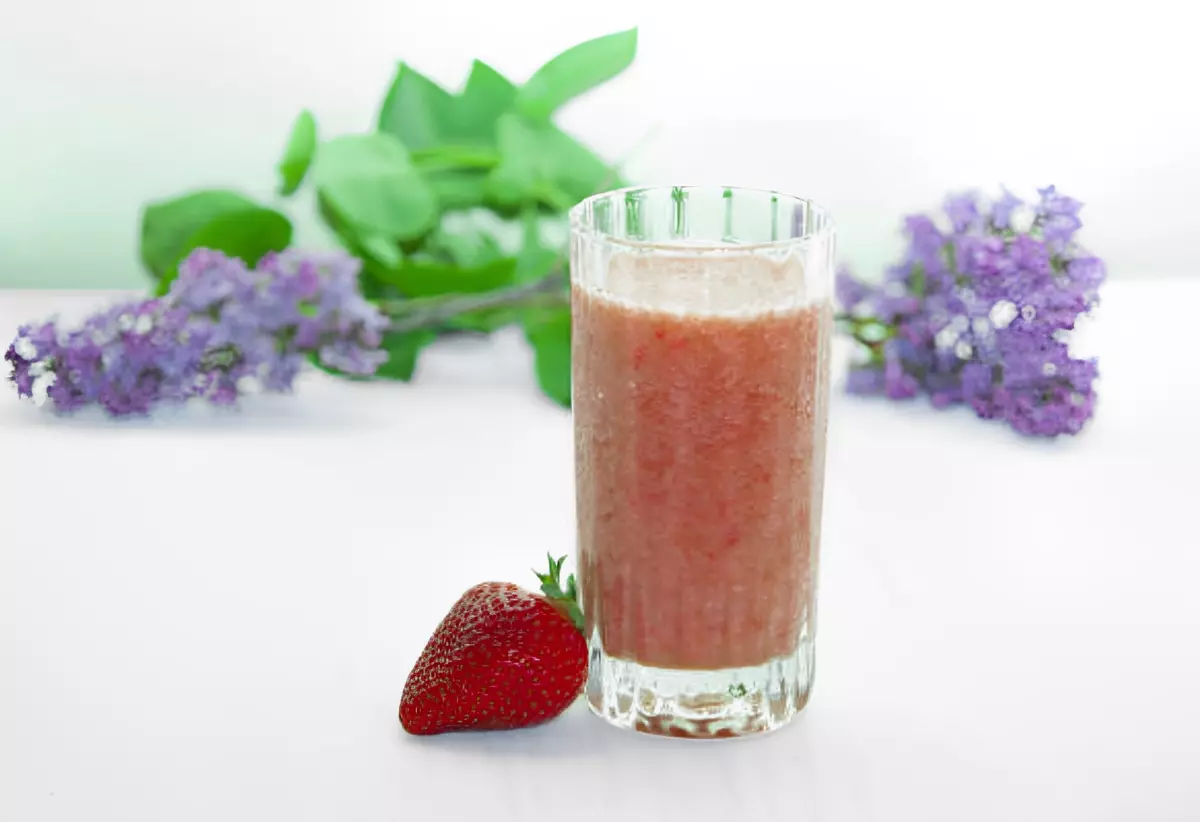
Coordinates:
column 701, row 325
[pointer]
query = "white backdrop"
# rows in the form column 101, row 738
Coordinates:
column 872, row 107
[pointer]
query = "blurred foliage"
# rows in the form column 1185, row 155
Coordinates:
column 446, row 197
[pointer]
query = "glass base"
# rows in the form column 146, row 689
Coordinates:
column 700, row 704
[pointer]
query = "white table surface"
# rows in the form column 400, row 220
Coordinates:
column 211, row 616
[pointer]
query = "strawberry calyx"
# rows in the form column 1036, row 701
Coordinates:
column 565, row 599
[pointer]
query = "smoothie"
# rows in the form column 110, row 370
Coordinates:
column 700, row 390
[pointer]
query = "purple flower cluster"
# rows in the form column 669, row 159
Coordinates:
column 220, row 326
column 978, row 310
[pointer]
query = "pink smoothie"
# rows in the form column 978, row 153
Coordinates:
column 700, row 396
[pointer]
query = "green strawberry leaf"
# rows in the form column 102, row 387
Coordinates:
column 567, row 599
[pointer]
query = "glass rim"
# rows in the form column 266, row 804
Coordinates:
column 580, row 226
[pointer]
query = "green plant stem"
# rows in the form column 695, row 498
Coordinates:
column 861, row 327
column 433, row 312
column 455, row 157
column 869, row 332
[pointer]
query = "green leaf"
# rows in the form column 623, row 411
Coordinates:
column 403, row 351
column 574, row 168
column 416, row 110
column 458, row 190
column 375, row 289
column 551, row 585
column 298, row 154
column 535, row 264
column 380, row 255
column 381, row 250
column 371, row 246
column 550, row 335
column 467, row 248
column 487, row 95
column 369, row 180
column 168, row 225
column 338, row 225
column 541, row 164
column 576, row 70
column 515, row 180
column 247, row 234
column 426, row 117
column 421, row 278
column 535, row 260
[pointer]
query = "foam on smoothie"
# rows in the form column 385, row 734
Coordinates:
column 728, row 282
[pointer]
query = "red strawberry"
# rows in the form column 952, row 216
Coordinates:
column 502, row 658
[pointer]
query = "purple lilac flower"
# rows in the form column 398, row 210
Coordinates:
column 1058, row 216
column 1058, row 229
column 865, row 381
column 963, row 210
column 1002, row 209
column 1058, row 204
column 222, row 324
column 850, row 291
column 898, row 384
column 925, row 240
column 975, row 315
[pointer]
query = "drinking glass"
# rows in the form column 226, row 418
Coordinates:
column 700, row 364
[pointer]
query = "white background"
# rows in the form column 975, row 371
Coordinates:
column 873, row 107
column 209, row 618
column 1008, row 627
